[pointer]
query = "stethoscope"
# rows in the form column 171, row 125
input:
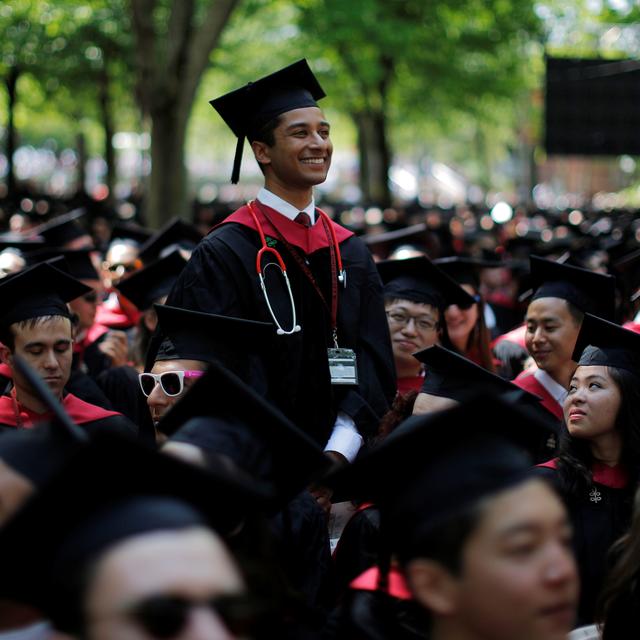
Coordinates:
column 265, row 249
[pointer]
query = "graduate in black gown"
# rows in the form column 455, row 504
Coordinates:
column 223, row 418
column 599, row 456
column 335, row 296
column 474, row 545
column 36, row 325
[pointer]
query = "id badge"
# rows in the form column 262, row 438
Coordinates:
column 342, row 366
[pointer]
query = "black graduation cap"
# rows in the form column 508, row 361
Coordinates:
column 42, row 290
column 588, row 291
column 248, row 109
column 19, row 243
column 130, row 232
column 211, row 338
column 77, row 262
column 419, row 280
column 176, row 234
column 466, row 270
column 434, row 466
column 110, row 489
column 450, row 375
column 601, row 342
column 62, row 229
column 148, row 285
column 415, row 235
column 235, row 420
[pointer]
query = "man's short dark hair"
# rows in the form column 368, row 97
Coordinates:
column 266, row 135
column 8, row 332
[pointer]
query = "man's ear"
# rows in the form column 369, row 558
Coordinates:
column 5, row 355
column 433, row 586
column 261, row 150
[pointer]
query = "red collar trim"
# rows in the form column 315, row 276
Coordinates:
column 613, row 477
column 79, row 411
column 308, row 240
column 370, row 579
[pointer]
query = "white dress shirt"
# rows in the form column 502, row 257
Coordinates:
column 345, row 438
column 556, row 390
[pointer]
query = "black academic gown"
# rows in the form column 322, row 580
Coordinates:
column 599, row 518
column 221, row 278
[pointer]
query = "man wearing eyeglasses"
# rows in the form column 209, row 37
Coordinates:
column 35, row 324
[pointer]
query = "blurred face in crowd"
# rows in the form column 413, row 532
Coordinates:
column 164, row 584
column 10, row 262
column 413, row 326
column 551, row 334
column 46, row 345
column 460, row 322
column 158, row 401
column 14, row 490
column 86, row 306
column 120, row 260
column 518, row 577
column 592, row 404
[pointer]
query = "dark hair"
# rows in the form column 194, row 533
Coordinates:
column 443, row 543
column 575, row 313
column 266, row 135
column 400, row 410
column 618, row 597
column 8, row 332
column 574, row 455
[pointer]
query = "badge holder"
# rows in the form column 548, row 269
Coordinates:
column 342, row 364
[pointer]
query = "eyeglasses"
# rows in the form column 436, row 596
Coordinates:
column 171, row 382
column 403, row 319
column 166, row 616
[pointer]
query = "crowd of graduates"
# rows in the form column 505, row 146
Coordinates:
column 283, row 427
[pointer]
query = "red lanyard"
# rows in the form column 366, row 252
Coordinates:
column 337, row 271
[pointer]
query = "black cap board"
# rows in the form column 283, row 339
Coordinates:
column 590, row 292
column 208, row 337
column 38, row 291
column 151, row 283
column 466, row 270
column 248, row 109
column 129, row 232
column 19, row 243
column 434, row 466
column 601, row 342
column 110, row 489
column 77, row 261
column 176, row 234
column 419, row 280
column 239, row 420
column 62, row 229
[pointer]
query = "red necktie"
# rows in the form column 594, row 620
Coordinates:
column 303, row 219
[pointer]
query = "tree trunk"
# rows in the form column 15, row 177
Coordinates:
column 81, row 150
column 167, row 184
column 107, row 125
column 11, row 82
column 375, row 158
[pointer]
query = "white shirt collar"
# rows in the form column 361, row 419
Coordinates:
column 557, row 391
column 282, row 206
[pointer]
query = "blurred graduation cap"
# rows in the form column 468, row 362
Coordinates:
column 415, row 235
column 588, row 291
column 176, row 234
column 77, row 262
column 466, row 270
column 434, row 466
column 153, row 282
column 248, row 109
column 223, row 415
column 42, row 290
column 19, row 243
column 601, row 342
column 110, row 489
column 193, row 335
column 62, row 229
column 129, row 232
column 419, row 280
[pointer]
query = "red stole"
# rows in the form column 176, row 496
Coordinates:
column 370, row 579
column 616, row 477
column 413, row 383
column 308, row 240
column 527, row 381
column 78, row 410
